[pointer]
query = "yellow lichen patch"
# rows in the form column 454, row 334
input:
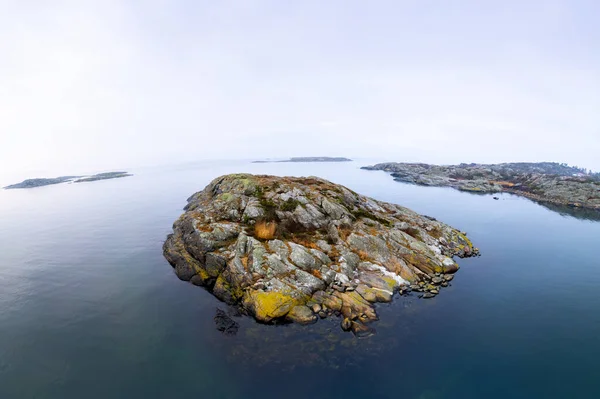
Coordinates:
column 461, row 241
column 201, row 272
column 270, row 305
column 222, row 285
column 464, row 237
column 391, row 282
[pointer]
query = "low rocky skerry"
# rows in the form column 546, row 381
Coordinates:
column 103, row 176
column 40, row 182
column 298, row 249
column 548, row 182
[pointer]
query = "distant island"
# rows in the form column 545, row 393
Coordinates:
column 311, row 159
column 31, row 183
column 550, row 182
column 103, row 176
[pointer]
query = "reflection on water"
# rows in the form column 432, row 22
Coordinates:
column 323, row 344
column 568, row 211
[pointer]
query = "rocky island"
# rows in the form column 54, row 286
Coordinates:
column 31, row 183
column 546, row 182
column 299, row 249
column 103, row 176
column 311, row 159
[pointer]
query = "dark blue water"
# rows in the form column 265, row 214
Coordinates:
column 90, row 309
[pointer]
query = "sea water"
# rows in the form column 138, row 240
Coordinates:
column 89, row 308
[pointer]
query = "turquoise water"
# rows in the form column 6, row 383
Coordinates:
column 89, row 308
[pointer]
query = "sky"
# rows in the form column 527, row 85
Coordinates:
column 100, row 85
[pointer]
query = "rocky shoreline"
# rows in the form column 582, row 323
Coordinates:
column 286, row 249
column 544, row 182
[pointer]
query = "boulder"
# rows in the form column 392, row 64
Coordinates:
column 266, row 306
column 346, row 324
column 301, row 314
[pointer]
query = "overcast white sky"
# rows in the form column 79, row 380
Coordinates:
column 96, row 85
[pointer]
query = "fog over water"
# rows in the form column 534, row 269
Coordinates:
column 104, row 85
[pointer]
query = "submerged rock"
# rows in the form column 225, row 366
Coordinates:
column 225, row 324
column 294, row 248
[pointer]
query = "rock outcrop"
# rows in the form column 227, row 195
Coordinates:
column 300, row 249
column 545, row 181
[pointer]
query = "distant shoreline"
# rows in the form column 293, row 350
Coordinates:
column 549, row 182
column 310, row 159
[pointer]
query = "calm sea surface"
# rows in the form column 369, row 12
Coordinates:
column 89, row 308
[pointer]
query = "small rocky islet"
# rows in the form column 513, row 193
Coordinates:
column 299, row 249
column 546, row 182
column 103, row 176
column 40, row 182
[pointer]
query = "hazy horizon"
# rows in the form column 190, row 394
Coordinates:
column 96, row 86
